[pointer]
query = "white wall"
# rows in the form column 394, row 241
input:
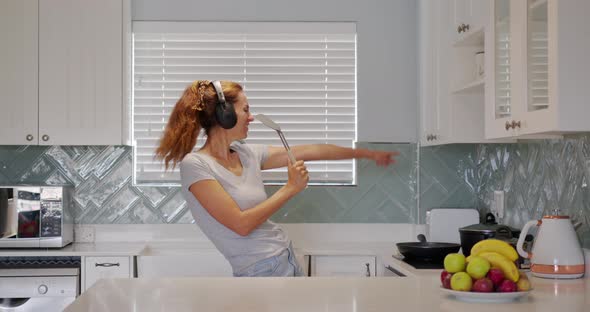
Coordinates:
column 387, row 48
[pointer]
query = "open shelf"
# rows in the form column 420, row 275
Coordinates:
column 473, row 38
column 472, row 87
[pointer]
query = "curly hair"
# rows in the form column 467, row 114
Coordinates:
column 195, row 110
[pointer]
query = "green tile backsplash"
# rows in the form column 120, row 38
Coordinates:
column 105, row 194
column 537, row 176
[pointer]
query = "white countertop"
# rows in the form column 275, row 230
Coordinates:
column 79, row 249
column 314, row 294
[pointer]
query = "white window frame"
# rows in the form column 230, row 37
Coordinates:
column 339, row 40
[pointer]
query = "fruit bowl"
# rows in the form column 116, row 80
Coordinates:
column 488, row 274
column 470, row 296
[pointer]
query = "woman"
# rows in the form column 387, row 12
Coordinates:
column 222, row 181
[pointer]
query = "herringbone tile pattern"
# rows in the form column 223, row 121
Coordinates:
column 104, row 193
column 538, row 177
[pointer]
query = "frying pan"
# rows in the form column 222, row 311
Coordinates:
column 427, row 251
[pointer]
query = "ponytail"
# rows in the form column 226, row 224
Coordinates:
column 195, row 110
column 182, row 130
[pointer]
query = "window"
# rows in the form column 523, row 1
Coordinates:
column 302, row 75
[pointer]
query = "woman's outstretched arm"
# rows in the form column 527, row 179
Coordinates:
column 277, row 156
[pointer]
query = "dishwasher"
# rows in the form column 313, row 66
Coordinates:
column 47, row 284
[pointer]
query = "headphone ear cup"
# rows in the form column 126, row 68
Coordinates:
column 226, row 115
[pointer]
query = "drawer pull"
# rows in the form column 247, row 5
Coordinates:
column 106, row 265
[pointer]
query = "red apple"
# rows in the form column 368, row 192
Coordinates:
column 444, row 274
column 496, row 276
column 507, row 286
column 445, row 279
column 483, row 285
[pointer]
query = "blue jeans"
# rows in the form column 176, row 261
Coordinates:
column 283, row 264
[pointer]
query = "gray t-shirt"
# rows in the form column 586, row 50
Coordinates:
column 247, row 190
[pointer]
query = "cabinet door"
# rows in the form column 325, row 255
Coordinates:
column 343, row 265
column 105, row 267
column 500, row 109
column 434, row 66
column 18, row 65
column 427, row 66
column 537, row 112
column 80, row 72
column 202, row 263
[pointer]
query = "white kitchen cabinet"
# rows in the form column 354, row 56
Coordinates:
column 538, row 61
column 18, row 65
column 433, row 97
column 74, row 94
column 181, row 263
column 451, row 88
column 95, row 268
column 343, row 265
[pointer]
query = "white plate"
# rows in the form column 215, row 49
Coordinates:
column 471, row 296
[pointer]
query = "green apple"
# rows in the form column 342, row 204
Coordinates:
column 461, row 281
column 454, row 262
column 478, row 267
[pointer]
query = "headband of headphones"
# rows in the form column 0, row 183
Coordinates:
column 219, row 91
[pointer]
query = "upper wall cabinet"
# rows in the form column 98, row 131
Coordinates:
column 539, row 74
column 74, row 94
column 451, row 72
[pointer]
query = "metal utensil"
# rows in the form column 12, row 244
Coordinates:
column 271, row 124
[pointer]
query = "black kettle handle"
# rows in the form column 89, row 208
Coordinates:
column 503, row 232
column 490, row 218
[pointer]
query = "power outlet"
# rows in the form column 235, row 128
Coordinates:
column 84, row 234
column 498, row 205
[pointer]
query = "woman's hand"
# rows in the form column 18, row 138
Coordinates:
column 298, row 176
column 382, row 158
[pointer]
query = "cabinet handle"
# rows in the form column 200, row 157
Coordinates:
column 508, row 125
column 30, row 137
column 45, row 138
column 368, row 273
column 106, row 265
column 515, row 124
column 462, row 28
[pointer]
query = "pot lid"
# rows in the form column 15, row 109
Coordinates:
column 490, row 226
column 486, row 228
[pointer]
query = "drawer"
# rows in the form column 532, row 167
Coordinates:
column 353, row 265
column 105, row 267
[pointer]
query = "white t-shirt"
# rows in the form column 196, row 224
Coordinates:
column 247, row 190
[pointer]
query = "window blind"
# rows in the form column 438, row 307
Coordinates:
column 300, row 74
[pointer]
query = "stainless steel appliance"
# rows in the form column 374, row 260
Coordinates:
column 46, row 284
column 36, row 216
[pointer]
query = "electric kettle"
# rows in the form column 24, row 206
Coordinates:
column 556, row 250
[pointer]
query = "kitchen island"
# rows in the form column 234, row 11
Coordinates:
column 418, row 293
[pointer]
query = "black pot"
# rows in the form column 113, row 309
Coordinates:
column 474, row 233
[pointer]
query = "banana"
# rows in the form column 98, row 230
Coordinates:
column 508, row 267
column 495, row 245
